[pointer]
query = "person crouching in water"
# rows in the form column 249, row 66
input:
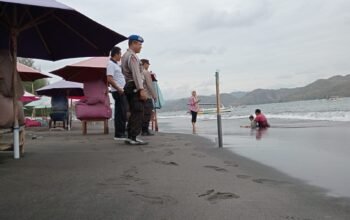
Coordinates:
column 194, row 109
column 252, row 123
column 151, row 95
column 260, row 119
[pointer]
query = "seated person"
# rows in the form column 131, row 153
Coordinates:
column 252, row 123
column 260, row 119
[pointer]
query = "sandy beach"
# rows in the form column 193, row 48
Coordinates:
column 65, row 175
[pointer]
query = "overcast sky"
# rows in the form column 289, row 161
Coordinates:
column 254, row 43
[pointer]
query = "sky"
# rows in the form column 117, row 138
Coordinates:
column 267, row 44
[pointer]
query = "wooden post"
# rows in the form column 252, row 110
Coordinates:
column 218, row 105
column 14, row 35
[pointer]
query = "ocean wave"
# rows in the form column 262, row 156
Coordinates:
column 318, row 116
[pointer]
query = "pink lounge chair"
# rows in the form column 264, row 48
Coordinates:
column 95, row 106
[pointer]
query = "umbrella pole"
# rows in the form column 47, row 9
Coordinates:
column 15, row 106
column 70, row 114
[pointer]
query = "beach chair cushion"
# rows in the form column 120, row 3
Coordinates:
column 6, row 74
column 96, row 104
column 7, row 116
column 85, row 111
column 32, row 123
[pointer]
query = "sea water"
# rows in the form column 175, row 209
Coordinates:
column 309, row 140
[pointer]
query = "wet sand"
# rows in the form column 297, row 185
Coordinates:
column 316, row 152
column 65, row 175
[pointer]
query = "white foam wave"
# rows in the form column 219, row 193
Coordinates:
column 324, row 116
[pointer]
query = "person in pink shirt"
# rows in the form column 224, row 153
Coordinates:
column 194, row 109
column 260, row 119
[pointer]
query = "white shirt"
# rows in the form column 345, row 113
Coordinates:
column 114, row 70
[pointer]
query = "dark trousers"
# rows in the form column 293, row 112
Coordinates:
column 147, row 114
column 136, row 107
column 194, row 116
column 120, row 114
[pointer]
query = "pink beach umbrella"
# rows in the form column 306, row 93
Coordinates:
column 87, row 70
column 28, row 97
column 29, row 74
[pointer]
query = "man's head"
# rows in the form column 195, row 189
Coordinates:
column 135, row 43
column 116, row 53
column 257, row 111
column 194, row 93
column 145, row 63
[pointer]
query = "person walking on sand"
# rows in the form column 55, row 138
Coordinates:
column 116, row 80
column 134, row 89
column 194, row 109
column 260, row 119
column 151, row 95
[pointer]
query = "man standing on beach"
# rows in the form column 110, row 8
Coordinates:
column 151, row 95
column 116, row 80
column 134, row 89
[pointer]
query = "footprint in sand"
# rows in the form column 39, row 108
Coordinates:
column 130, row 174
column 171, row 163
column 219, row 169
column 167, row 144
column 169, row 153
column 231, row 164
column 208, row 192
column 198, row 155
column 156, row 200
column 295, row 218
column 269, row 181
column 222, row 196
column 241, row 176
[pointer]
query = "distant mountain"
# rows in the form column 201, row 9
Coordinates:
column 238, row 94
column 338, row 86
column 320, row 89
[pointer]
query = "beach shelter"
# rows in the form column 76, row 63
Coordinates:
column 87, row 70
column 48, row 30
column 29, row 97
column 29, row 74
column 62, row 87
column 42, row 103
column 71, row 90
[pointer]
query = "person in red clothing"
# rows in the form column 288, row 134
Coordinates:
column 260, row 119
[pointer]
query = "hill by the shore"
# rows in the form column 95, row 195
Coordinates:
column 336, row 86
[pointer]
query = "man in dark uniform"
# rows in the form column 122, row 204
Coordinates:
column 134, row 89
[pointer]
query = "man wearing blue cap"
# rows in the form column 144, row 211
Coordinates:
column 134, row 89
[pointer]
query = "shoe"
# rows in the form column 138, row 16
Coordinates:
column 122, row 138
column 135, row 142
column 141, row 141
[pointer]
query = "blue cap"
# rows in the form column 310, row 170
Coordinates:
column 136, row 38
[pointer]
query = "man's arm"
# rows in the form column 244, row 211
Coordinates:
column 111, row 82
column 149, row 84
column 134, row 66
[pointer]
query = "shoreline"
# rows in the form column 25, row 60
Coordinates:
column 177, row 176
column 297, row 148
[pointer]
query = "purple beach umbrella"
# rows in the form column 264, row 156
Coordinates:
column 49, row 30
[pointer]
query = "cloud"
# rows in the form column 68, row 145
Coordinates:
column 255, row 43
column 241, row 14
